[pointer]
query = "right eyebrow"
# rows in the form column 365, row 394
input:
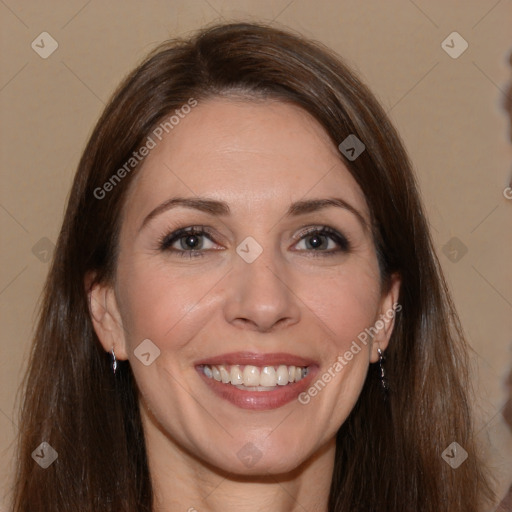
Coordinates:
column 210, row 206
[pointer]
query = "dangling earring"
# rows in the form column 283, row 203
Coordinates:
column 114, row 361
column 383, row 381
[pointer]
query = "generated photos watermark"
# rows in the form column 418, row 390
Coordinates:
column 362, row 338
column 152, row 140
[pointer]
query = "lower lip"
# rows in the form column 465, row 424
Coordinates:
column 259, row 400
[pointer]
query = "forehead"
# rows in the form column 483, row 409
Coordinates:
column 252, row 154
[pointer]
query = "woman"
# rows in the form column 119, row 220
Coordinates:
column 243, row 243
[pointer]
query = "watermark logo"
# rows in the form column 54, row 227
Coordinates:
column 146, row 352
column 44, row 45
column 363, row 337
column 45, row 455
column 454, row 45
column 455, row 249
column 454, row 455
column 152, row 140
column 43, row 249
column 249, row 454
column 351, row 147
column 249, row 249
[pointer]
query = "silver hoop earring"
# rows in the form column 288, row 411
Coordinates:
column 114, row 361
column 382, row 373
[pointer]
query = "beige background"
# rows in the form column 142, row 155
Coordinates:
column 450, row 113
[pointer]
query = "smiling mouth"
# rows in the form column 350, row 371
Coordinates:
column 254, row 378
column 257, row 381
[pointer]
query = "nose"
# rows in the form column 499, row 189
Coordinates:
column 260, row 295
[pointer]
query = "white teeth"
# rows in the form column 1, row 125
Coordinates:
column 251, row 376
column 235, row 374
column 254, row 378
column 216, row 373
column 268, row 377
column 224, row 375
column 255, row 388
column 282, row 375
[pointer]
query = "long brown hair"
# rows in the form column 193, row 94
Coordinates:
column 388, row 452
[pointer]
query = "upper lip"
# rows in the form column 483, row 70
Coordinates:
column 257, row 359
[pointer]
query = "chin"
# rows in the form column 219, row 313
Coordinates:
column 247, row 459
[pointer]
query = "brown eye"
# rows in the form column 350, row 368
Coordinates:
column 190, row 241
column 324, row 240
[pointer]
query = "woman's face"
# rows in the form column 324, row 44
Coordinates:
column 272, row 280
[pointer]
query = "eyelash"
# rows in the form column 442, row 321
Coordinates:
column 167, row 240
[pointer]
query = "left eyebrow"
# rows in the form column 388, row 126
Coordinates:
column 314, row 205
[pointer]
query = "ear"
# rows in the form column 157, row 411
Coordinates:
column 385, row 321
column 105, row 316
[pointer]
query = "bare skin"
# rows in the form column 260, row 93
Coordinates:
column 298, row 296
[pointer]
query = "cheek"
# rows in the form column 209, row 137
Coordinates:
column 346, row 304
column 343, row 306
column 170, row 309
column 163, row 306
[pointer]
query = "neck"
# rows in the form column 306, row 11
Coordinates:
column 183, row 482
